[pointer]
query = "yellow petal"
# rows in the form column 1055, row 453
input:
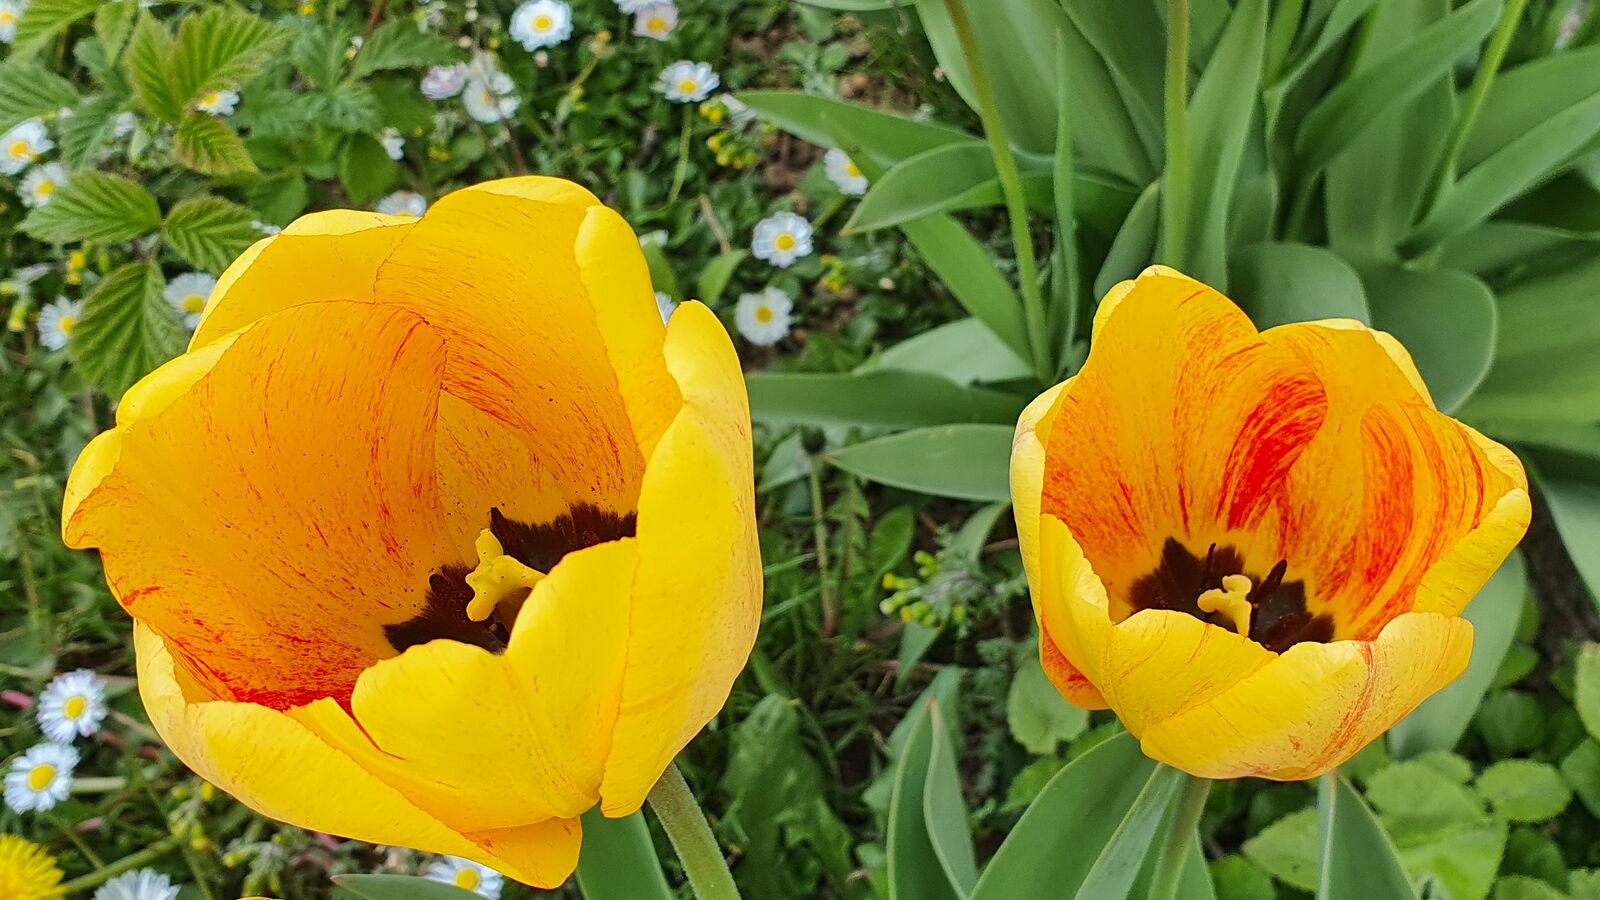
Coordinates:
column 697, row 597
column 1071, row 605
column 1314, row 706
column 279, row 768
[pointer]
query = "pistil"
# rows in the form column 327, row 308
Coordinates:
column 498, row 579
column 1231, row 601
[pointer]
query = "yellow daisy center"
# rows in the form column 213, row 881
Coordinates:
column 542, row 23
column 687, row 85
column 851, row 168
column 784, row 241
column 1232, row 601
column 194, row 303
column 467, row 879
column 7, row 17
column 74, row 707
column 45, row 188
column 21, row 150
column 763, row 314
column 67, row 323
column 658, row 24
column 40, row 776
column 212, row 98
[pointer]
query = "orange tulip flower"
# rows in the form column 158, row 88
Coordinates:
column 435, row 537
column 1254, row 546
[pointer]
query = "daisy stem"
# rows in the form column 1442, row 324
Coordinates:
column 682, row 171
column 132, row 861
column 1005, row 166
column 1175, row 183
column 1185, row 821
column 691, row 837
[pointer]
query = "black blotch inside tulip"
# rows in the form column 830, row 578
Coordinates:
column 1278, row 618
column 536, row 545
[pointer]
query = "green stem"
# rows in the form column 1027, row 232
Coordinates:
column 682, row 170
column 1175, row 190
column 132, row 861
column 1005, row 166
column 1185, row 820
column 691, row 837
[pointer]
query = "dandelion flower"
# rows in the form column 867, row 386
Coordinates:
column 656, row 20
column 687, row 82
column 782, row 239
column 140, row 884
column 219, row 103
column 22, row 145
column 403, row 203
column 393, row 143
column 72, row 706
column 444, row 82
column 764, row 318
column 665, row 304
column 467, row 875
column 40, row 184
column 41, row 777
column 57, row 320
column 842, row 171
column 188, row 294
column 10, row 15
column 541, row 23
column 27, row 872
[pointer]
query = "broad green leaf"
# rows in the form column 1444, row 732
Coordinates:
column 1543, row 319
column 220, row 48
column 968, row 270
column 1065, row 299
column 884, row 399
column 1416, row 797
column 1219, row 119
column 916, row 871
column 210, row 146
column 280, row 200
column 1511, row 171
column 1574, row 505
column 1358, row 861
column 1529, row 94
column 127, row 328
column 1040, row 718
column 87, row 130
column 365, row 169
column 1320, row 34
column 43, row 20
column 1586, row 687
column 399, row 887
column 1497, row 245
column 946, row 813
column 149, row 65
column 1447, row 320
column 1237, row 878
column 964, row 351
column 1287, row 849
column 1523, row 790
column 1279, row 283
column 95, row 206
column 1118, row 865
column 1122, row 35
column 618, row 860
column 400, row 44
column 1135, row 243
column 209, row 232
column 1053, row 846
column 1359, row 101
column 713, row 280
column 1441, row 720
column 1580, row 769
column 967, row 462
column 27, row 91
column 885, row 137
column 856, row 5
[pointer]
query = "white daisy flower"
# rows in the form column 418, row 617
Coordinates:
column 633, row 6
column 219, row 103
column 140, row 884
column 764, row 318
column 188, row 294
column 655, row 21
column 393, row 143
column 72, row 706
column 10, row 15
column 57, row 320
column 403, row 203
column 21, row 146
column 844, row 173
column 444, row 82
column 665, row 305
column 42, row 182
column 541, row 23
column 122, row 125
column 686, row 81
column 657, row 238
column 781, row 239
column 490, row 95
column 41, row 777
column 266, row 228
column 467, row 875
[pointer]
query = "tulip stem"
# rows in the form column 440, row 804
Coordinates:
column 691, row 837
column 1185, row 822
column 1175, row 183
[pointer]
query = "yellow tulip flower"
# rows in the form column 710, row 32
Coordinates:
column 1253, row 546
column 435, row 536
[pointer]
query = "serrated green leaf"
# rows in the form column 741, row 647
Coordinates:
column 113, row 24
column 348, row 107
column 400, row 44
column 208, row 145
column 365, row 168
column 44, row 20
column 1523, row 790
column 127, row 328
column 208, row 232
column 28, row 90
column 87, row 130
column 220, row 48
column 95, row 206
column 318, row 52
column 149, row 65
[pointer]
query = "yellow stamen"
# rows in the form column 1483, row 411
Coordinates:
column 194, row 303
column 851, row 168
column 74, row 707
column 467, row 879
column 784, row 241
column 45, row 188
column 763, row 314
column 40, row 776
column 497, row 578
column 21, row 150
column 688, row 86
column 542, row 23
column 1232, row 601
column 67, row 323
column 657, row 24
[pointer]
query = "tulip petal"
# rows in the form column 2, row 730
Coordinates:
column 486, row 741
column 697, row 596
column 269, row 540
column 278, row 767
column 1315, row 705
